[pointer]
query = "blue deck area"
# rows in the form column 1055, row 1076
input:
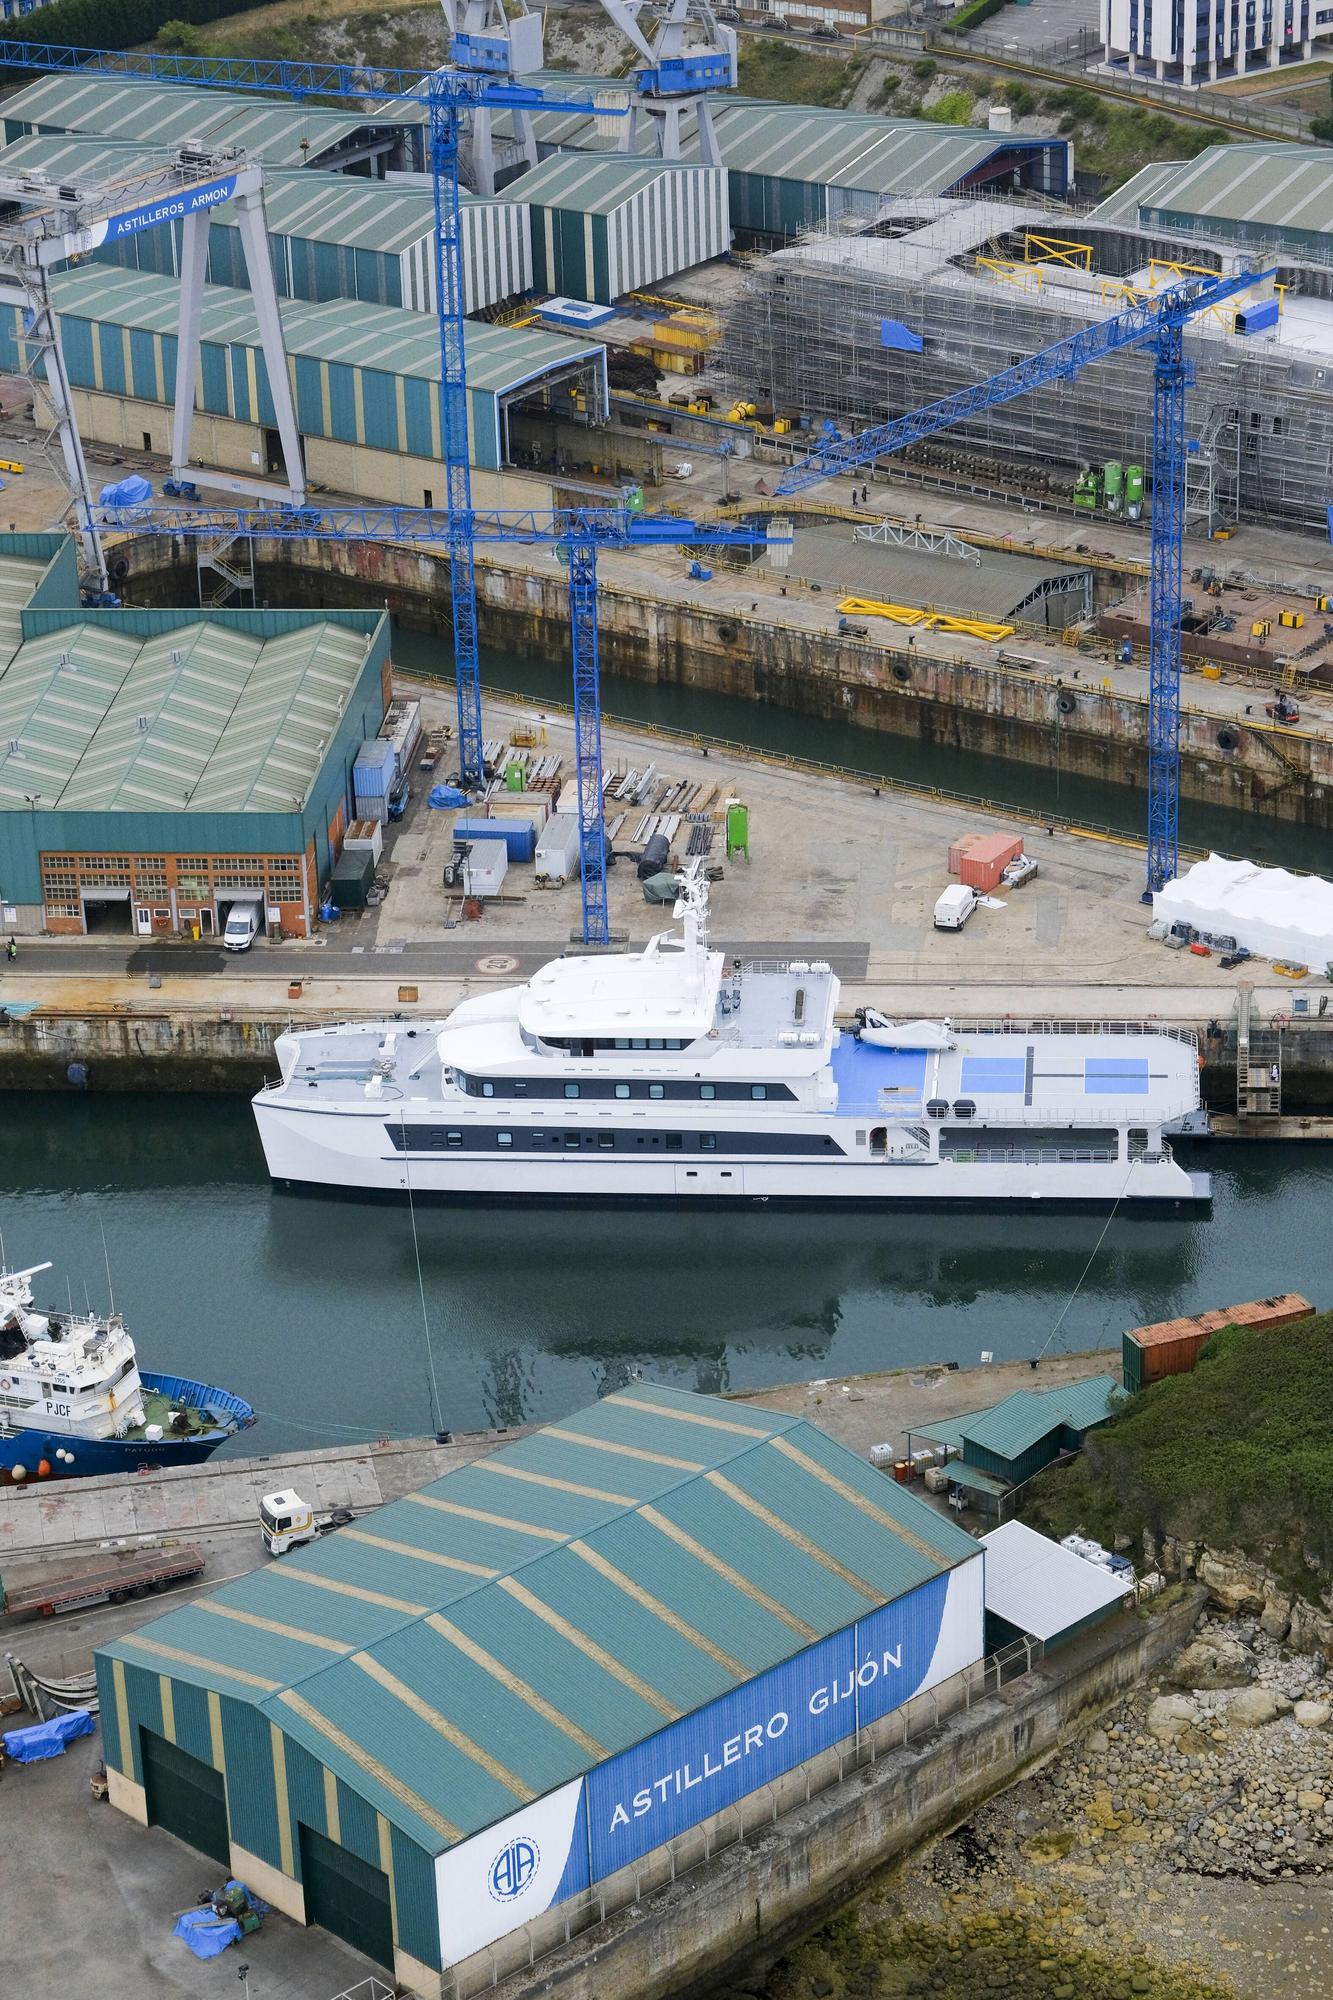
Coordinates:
column 863, row 1073
column 994, row 1076
column 1108, row 1076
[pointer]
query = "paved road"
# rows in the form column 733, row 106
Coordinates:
column 461, row 958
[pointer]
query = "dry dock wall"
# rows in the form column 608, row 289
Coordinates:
column 961, row 705
column 732, row 1916
column 196, row 1052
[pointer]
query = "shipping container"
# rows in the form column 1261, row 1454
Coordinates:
column 518, row 835
column 958, row 848
column 535, row 806
column 986, row 860
column 557, row 854
column 367, row 833
column 353, row 875
column 1172, row 1346
column 402, row 728
column 484, row 868
column 375, row 769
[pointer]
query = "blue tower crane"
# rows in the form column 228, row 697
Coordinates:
column 577, row 533
column 446, row 94
column 1160, row 322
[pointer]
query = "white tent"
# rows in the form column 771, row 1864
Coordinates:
column 1269, row 911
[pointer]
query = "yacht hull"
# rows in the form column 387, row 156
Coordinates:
column 352, row 1151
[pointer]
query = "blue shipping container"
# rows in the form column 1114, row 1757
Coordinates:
column 518, row 835
column 376, row 768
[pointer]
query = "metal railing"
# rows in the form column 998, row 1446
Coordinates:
column 537, row 1939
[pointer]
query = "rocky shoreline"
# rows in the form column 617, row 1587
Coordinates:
column 1181, row 1849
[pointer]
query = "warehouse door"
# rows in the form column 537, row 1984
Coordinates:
column 185, row 1796
column 347, row 1896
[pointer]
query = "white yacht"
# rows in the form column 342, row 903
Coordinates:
column 675, row 1074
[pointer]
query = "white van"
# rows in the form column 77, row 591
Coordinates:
column 954, row 907
column 242, row 926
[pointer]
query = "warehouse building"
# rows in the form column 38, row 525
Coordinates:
column 158, row 766
column 1272, row 198
column 792, row 168
column 331, row 238
column 168, row 115
column 433, row 1731
column 999, row 1448
column 602, row 228
column 365, row 380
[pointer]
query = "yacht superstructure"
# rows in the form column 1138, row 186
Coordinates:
column 677, row 1074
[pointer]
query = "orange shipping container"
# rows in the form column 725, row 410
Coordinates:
column 980, row 874
column 958, row 848
column 1172, row 1346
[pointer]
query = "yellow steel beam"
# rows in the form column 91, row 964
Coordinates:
column 1057, row 250
column 929, row 619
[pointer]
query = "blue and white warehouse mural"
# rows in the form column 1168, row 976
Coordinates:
column 707, row 1760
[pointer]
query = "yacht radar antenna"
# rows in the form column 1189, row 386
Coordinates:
column 691, row 909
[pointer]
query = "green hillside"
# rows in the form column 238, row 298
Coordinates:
column 1238, row 1454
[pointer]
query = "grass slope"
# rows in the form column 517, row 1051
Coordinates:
column 1238, row 1453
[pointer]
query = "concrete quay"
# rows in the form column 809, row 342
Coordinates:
column 842, row 868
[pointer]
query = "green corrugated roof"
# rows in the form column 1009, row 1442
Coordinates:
column 1024, row 1418
column 170, row 114
column 387, row 216
column 1284, row 189
column 201, row 716
column 499, row 358
column 589, row 182
column 1137, row 192
column 832, row 148
column 18, row 579
column 522, row 1619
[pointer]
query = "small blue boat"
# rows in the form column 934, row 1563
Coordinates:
column 73, row 1402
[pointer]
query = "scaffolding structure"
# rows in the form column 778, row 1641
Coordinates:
column 820, row 327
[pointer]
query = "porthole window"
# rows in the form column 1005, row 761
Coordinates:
column 708, row 1090
column 657, row 1090
column 622, row 1090
column 504, row 1138
column 571, row 1090
column 488, row 1090
column 759, row 1091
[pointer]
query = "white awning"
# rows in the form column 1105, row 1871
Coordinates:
column 1039, row 1587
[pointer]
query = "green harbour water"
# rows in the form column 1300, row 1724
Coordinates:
column 309, row 1306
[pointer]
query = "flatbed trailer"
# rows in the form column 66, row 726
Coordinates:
column 111, row 1581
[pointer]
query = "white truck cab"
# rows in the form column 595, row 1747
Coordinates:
column 954, row 907
column 286, row 1520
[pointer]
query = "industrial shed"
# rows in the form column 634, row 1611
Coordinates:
column 602, row 228
column 1264, row 195
column 434, row 1730
column 332, row 237
column 1038, row 1589
column 997, row 1449
column 157, row 766
column 792, row 168
column 365, row 379
column 171, row 114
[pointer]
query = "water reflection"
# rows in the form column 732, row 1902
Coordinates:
column 311, row 1306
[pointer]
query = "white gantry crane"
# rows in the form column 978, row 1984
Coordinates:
column 690, row 57
column 484, row 38
column 58, row 221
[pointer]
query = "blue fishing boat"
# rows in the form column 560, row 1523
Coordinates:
column 73, row 1401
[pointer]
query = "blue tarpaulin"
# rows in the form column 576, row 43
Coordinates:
column 47, row 1739
column 207, row 1936
column 1330, row 524
column 892, row 333
column 447, row 796
column 131, row 491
